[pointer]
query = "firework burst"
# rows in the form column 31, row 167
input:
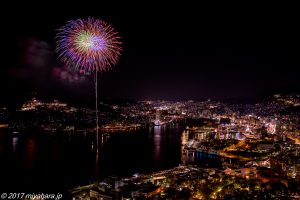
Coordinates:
column 90, row 45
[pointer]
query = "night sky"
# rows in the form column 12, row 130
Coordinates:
column 172, row 52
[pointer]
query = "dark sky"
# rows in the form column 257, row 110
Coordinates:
column 170, row 51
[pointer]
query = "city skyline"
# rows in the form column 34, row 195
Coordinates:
column 222, row 150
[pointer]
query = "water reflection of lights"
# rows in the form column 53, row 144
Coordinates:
column 157, row 141
column 30, row 155
column 184, row 140
column 15, row 144
column 97, row 166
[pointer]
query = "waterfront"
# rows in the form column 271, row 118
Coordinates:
column 198, row 149
column 58, row 162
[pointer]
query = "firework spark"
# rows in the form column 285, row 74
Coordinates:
column 90, row 45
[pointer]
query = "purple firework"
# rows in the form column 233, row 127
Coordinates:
column 90, row 45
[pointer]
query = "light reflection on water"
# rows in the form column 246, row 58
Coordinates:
column 67, row 160
column 15, row 144
column 30, row 153
column 157, row 144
